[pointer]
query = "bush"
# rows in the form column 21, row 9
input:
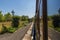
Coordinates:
column 8, row 30
column 4, row 29
column 49, row 18
column 56, row 21
column 58, row 29
column 50, row 24
column 12, row 29
column 15, row 21
column 26, row 22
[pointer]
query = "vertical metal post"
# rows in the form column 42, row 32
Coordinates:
column 45, row 27
column 37, row 21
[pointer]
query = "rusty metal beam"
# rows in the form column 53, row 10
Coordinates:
column 37, row 20
column 45, row 27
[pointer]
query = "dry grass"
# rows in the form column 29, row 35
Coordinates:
column 7, row 24
column 22, row 23
column 50, row 24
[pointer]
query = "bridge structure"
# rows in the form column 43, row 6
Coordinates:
column 36, row 27
column 37, row 20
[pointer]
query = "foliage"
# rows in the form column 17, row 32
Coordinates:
column 56, row 20
column 8, row 17
column 12, row 12
column 57, row 28
column 49, row 18
column 1, row 16
column 50, row 24
column 24, row 24
column 59, row 11
column 11, row 29
column 30, row 19
column 4, row 29
column 24, row 18
column 15, row 21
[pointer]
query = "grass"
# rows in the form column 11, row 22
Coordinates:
column 7, row 24
column 50, row 24
column 23, row 23
column 58, row 29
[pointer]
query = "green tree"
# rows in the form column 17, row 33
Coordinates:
column 1, row 16
column 56, row 21
column 8, row 17
column 49, row 18
column 30, row 19
column 15, row 21
column 59, row 10
column 24, row 18
column 12, row 12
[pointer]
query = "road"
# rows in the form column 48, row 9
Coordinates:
column 18, row 35
column 53, row 34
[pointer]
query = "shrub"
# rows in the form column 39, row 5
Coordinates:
column 56, row 21
column 49, row 18
column 15, row 21
column 58, row 29
column 8, row 30
column 50, row 24
column 4, row 29
column 12, row 29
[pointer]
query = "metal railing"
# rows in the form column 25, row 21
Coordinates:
column 37, row 20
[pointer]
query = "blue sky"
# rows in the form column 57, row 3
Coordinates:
column 53, row 6
column 27, row 7
column 21, row 7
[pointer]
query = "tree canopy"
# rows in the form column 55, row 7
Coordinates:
column 8, row 17
column 1, row 16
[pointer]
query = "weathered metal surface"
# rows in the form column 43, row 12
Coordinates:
column 37, row 21
column 44, row 12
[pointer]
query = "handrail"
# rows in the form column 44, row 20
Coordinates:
column 37, row 21
column 44, row 12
